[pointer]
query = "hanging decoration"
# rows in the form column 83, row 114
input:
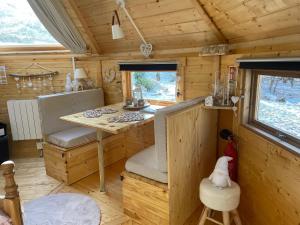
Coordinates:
column 212, row 50
column 47, row 72
column 3, row 77
column 146, row 47
column 35, row 81
column 111, row 74
column 117, row 31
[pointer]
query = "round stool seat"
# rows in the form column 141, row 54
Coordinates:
column 215, row 198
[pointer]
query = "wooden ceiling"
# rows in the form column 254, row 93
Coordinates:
column 175, row 24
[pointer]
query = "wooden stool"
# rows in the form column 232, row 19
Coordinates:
column 224, row 200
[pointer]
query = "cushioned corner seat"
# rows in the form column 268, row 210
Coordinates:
column 73, row 137
column 152, row 162
column 65, row 134
column 144, row 163
column 70, row 151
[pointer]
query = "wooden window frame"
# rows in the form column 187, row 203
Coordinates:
column 6, row 49
column 127, row 91
column 252, row 107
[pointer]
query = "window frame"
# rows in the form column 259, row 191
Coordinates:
column 32, row 48
column 127, row 88
column 25, row 48
column 252, row 121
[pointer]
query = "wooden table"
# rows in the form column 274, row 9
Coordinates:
column 102, row 125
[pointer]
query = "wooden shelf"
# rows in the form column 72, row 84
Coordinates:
column 218, row 107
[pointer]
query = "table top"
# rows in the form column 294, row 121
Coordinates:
column 102, row 121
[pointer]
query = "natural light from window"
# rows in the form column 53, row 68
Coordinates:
column 279, row 103
column 20, row 26
column 160, row 86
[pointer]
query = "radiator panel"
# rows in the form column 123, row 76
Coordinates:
column 24, row 119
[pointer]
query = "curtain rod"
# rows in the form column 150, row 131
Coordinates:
column 283, row 59
column 154, row 62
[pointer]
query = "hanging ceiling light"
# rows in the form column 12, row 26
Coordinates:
column 146, row 47
column 117, row 31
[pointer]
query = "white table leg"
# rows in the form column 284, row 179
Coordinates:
column 101, row 160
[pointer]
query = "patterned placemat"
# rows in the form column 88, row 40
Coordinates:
column 98, row 112
column 127, row 117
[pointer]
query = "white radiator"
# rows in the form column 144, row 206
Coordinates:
column 24, row 119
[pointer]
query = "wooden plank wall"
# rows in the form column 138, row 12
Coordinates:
column 9, row 92
column 268, row 174
column 112, row 91
column 197, row 71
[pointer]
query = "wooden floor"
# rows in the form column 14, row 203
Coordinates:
column 33, row 183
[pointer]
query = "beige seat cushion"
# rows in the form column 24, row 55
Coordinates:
column 144, row 164
column 73, row 137
column 215, row 198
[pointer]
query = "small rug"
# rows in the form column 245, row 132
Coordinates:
column 62, row 209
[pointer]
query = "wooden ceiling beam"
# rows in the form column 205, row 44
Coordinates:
column 80, row 23
column 206, row 17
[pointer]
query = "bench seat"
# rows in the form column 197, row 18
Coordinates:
column 144, row 163
column 73, row 137
column 152, row 162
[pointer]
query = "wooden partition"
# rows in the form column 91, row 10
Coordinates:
column 191, row 144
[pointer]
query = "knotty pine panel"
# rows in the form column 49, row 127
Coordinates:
column 268, row 174
column 197, row 72
column 10, row 92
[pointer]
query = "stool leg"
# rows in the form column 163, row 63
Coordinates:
column 203, row 216
column 236, row 217
column 226, row 218
column 210, row 213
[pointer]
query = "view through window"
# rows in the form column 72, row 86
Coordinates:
column 159, row 86
column 20, row 26
column 278, row 103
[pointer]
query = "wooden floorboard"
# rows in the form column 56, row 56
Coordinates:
column 33, row 183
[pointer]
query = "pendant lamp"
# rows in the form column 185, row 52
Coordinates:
column 117, row 31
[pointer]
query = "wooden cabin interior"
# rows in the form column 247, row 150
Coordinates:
column 177, row 86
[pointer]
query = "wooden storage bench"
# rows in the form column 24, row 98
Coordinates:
column 71, row 165
column 144, row 200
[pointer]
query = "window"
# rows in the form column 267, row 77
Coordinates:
column 275, row 104
column 162, row 83
column 20, row 26
column 158, row 86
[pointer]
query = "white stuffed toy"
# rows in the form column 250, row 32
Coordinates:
column 220, row 176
